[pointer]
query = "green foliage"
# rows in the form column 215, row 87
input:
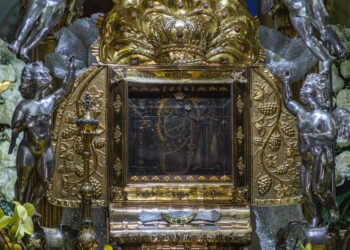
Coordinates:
column 5, row 58
column 16, row 228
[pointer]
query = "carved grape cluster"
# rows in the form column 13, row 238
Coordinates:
column 287, row 129
column 268, row 108
column 264, row 184
column 275, row 142
column 96, row 187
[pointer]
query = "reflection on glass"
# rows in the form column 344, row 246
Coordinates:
column 180, row 131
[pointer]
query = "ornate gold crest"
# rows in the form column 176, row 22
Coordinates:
column 178, row 32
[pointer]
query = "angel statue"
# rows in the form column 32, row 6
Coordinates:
column 40, row 17
column 33, row 117
column 318, row 133
column 309, row 17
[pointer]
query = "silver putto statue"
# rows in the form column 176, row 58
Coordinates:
column 310, row 20
column 33, row 118
column 40, row 17
column 318, row 133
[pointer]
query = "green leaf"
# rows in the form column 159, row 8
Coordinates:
column 20, row 232
column 4, row 222
column 30, row 209
column 107, row 247
column 28, row 226
column 1, row 213
column 21, row 212
column 16, row 203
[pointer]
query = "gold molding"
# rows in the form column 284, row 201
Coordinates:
column 223, row 193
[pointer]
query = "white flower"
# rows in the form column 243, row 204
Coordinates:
column 343, row 164
column 338, row 82
column 343, row 99
column 345, row 69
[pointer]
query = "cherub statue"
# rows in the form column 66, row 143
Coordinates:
column 309, row 17
column 40, row 17
column 320, row 21
column 318, row 132
column 33, row 117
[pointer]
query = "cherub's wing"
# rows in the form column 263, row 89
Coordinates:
column 342, row 119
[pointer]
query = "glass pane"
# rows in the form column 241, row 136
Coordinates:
column 180, row 131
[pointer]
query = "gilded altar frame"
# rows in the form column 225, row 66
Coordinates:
column 265, row 158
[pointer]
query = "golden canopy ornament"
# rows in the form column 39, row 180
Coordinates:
column 141, row 32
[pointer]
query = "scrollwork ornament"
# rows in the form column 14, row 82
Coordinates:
column 118, row 104
column 239, row 76
column 241, row 166
column 240, row 135
column 118, row 167
column 118, row 134
column 118, row 75
column 118, row 194
column 242, row 194
column 240, row 104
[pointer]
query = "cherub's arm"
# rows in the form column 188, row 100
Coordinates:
column 17, row 126
column 68, row 82
column 292, row 106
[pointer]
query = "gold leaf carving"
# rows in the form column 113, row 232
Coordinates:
column 190, row 178
column 287, row 129
column 177, row 178
column 240, row 104
column 180, row 195
column 118, row 104
column 118, row 194
column 225, row 178
column 118, row 167
column 264, row 184
column 135, row 179
column 117, row 134
column 68, row 145
column 213, row 179
column 275, row 161
column 146, row 194
column 241, row 166
column 213, row 194
column 202, row 178
column 155, row 178
column 238, row 76
column 275, row 142
column 240, row 135
column 268, row 108
column 145, row 179
column 157, row 34
column 242, row 193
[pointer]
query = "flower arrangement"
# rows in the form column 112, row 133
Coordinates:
column 341, row 89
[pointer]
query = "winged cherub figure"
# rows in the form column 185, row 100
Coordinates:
column 310, row 18
column 318, row 133
column 33, row 117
